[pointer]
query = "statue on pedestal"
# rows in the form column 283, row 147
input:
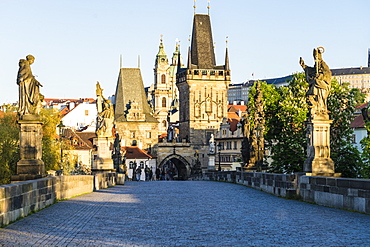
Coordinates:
column 104, row 123
column 212, row 144
column 318, row 162
column 319, row 80
column 30, row 97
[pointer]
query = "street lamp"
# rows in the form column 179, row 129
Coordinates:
column 61, row 127
column 219, row 156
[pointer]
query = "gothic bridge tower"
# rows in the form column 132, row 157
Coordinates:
column 202, row 88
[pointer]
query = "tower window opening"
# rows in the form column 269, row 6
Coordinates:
column 163, row 79
column 164, row 102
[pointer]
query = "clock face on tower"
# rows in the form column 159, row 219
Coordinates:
column 162, row 59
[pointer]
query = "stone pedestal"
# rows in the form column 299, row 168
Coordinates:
column 103, row 161
column 30, row 166
column 318, row 162
column 211, row 162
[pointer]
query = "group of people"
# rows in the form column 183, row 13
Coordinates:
column 148, row 173
column 164, row 174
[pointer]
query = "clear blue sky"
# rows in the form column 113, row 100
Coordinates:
column 79, row 42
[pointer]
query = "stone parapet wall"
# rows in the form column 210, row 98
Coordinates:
column 277, row 184
column 343, row 193
column 70, row 186
column 18, row 200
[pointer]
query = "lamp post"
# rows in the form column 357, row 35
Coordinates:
column 61, row 127
column 219, row 156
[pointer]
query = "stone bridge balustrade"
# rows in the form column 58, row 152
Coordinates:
column 21, row 199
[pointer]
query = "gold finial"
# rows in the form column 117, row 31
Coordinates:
column 195, row 6
column 189, row 39
column 227, row 41
column 208, row 7
column 161, row 38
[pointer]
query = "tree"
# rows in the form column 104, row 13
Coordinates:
column 50, row 145
column 289, row 134
column 9, row 142
column 365, row 144
column 358, row 96
column 341, row 106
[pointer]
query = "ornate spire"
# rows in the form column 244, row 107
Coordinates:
column 161, row 55
column 208, row 7
column 195, row 6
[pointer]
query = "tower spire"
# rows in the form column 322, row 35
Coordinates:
column 227, row 65
column 208, row 7
column 195, row 6
column 179, row 58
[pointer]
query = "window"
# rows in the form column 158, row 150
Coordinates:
column 353, row 138
column 163, row 78
column 235, row 145
column 164, row 103
column 86, row 112
column 149, row 135
column 228, row 145
column 132, row 134
column 164, row 123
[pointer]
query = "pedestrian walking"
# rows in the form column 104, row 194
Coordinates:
column 138, row 173
column 147, row 173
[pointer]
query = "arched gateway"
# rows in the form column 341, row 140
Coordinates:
column 181, row 165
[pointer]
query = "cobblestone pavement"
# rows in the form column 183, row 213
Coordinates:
column 187, row 213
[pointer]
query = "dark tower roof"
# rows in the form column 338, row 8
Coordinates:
column 130, row 88
column 202, row 52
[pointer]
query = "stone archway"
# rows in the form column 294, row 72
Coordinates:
column 181, row 164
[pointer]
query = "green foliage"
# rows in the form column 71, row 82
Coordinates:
column 9, row 141
column 270, row 97
column 365, row 144
column 50, row 145
column 286, row 112
column 341, row 106
column 289, row 135
column 358, row 96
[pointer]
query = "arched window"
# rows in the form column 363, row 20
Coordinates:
column 164, row 102
column 164, row 123
column 163, row 78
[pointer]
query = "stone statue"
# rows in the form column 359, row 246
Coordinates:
column 30, row 97
column 212, row 144
column 104, row 123
column 319, row 80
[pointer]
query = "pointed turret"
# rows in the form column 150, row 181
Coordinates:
column 202, row 52
column 227, row 65
column 189, row 58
